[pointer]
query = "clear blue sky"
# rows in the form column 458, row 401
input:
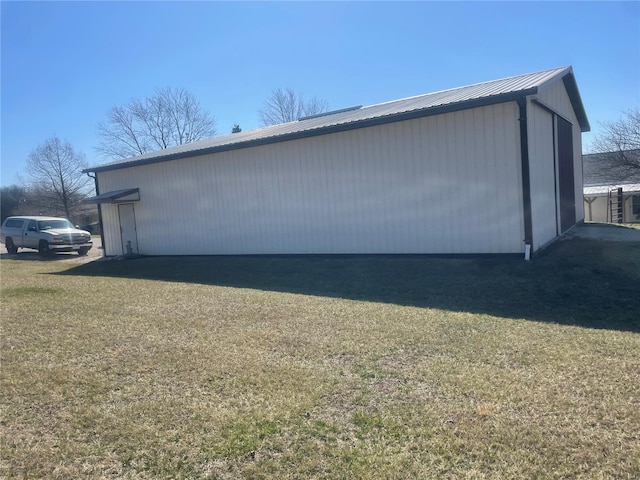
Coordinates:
column 64, row 64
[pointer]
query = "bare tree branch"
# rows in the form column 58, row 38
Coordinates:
column 621, row 140
column 169, row 117
column 119, row 135
column 55, row 172
column 285, row 105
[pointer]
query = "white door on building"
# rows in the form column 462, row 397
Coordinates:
column 128, row 228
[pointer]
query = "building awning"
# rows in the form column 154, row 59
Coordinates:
column 116, row 196
column 603, row 190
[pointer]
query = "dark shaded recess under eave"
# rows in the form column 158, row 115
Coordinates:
column 558, row 286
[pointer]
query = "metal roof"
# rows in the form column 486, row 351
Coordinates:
column 603, row 190
column 461, row 98
column 610, row 168
column 115, row 196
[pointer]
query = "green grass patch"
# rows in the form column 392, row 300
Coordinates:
column 29, row 292
column 323, row 367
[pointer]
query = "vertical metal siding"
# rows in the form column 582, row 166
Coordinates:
column 443, row 184
column 543, row 175
column 555, row 95
column 111, row 224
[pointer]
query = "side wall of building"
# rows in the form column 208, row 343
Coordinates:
column 598, row 211
column 543, row 162
column 443, row 184
column 555, row 95
column 543, row 174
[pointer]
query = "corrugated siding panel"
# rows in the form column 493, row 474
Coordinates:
column 111, row 232
column 555, row 95
column 442, row 184
column 542, row 170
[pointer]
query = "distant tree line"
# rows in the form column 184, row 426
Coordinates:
column 29, row 200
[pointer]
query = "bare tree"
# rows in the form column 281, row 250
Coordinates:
column 56, row 179
column 285, row 105
column 621, row 139
column 169, row 117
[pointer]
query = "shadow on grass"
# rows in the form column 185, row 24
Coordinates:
column 575, row 282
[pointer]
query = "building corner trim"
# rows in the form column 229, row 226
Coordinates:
column 95, row 179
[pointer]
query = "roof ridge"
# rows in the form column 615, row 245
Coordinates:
column 432, row 103
column 468, row 86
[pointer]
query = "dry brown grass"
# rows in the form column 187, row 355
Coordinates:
column 109, row 376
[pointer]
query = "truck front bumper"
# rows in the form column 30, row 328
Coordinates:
column 70, row 248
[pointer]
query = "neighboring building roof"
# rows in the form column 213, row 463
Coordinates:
column 603, row 190
column 461, row 98
column 610, row 168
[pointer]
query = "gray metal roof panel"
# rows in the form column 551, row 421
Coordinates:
column 609, row 168
column 421, row 105
column 112, row 197
column 603, row 190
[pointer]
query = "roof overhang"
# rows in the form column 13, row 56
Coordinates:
column 571, row 85
column 603, row 190
column 357, row 124
column 116, row 196
column 265, row 137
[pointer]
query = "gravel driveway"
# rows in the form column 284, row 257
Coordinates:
column 604, row 231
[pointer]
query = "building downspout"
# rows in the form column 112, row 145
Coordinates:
column 526, row 178
column 95, row 181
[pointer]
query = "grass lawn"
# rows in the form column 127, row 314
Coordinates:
column 324, row 367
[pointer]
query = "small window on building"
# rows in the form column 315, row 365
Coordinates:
column 636, row 204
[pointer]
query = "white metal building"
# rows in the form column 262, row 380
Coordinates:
column 612, row 187
column 486, row 168
column 616, row 203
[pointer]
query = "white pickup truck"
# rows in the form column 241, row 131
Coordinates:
column 45, row 234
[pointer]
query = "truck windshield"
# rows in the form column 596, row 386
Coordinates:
column 49, row 224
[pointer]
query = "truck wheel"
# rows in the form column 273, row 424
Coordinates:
column 11, row 248
column 83, row 251
column 43, row 248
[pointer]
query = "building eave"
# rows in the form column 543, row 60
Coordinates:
column 571, row 86
column 434, row 103
column 325, row 130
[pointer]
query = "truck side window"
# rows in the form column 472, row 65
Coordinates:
column 32, row 226
column 13, row 223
